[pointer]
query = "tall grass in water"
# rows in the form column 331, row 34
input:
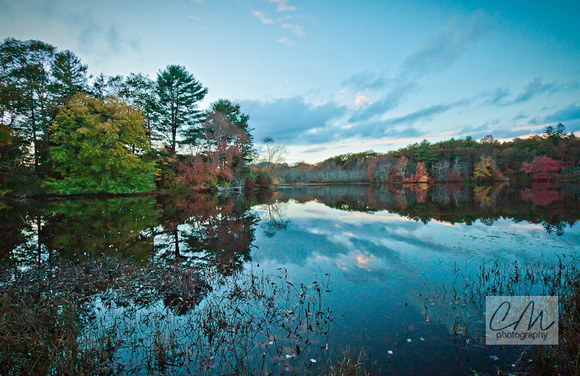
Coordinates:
column 40, row 321
column 108, row 316
column 467, row 298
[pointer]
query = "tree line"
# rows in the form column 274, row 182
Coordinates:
column 64, row 131
column 553, row 155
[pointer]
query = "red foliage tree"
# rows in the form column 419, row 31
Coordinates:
column 542, row 167
column 222, row 145
column 195, row 172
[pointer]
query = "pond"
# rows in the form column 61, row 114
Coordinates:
column 299, row 280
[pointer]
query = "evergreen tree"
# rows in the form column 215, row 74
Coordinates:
column 139, row 91
column 69, row 76
column 179, row 94
column 26, row 79
column 106, row 86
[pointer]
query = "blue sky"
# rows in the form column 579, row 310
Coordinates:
column 327, row 78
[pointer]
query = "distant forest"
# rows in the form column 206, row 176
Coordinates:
column 554, row 155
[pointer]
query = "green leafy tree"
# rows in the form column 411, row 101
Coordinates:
column 179, row 94
column 25, row 88
column 97, row 147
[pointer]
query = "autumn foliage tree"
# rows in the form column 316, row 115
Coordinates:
column 195, row 172
column 542, row 167
column 381, row 167
column 225, row 140
column 98, row 146
column 486, row 169
column 420, row 175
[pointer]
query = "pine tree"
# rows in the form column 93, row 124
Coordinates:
column 179, row 94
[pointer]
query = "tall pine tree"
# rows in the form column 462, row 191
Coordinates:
column 179, row 94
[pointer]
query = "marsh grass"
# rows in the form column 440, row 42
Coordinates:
column 466, row 297
column 39, row 333
column 352, row 363
column 112, row 317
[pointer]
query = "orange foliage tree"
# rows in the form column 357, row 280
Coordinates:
column 420, row 175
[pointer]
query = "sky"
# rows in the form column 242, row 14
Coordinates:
column 332, row 77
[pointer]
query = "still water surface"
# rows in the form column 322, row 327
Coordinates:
column 407, row 290
column 405, row 270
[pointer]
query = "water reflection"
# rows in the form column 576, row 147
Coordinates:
column 408, row 265
column 217, row 231
column 555, row 207
column 171, row 229
column 273, row 218
column 36, row 232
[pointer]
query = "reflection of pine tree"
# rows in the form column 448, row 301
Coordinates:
column 18, row 221
column 204, row 229
column 558, row 228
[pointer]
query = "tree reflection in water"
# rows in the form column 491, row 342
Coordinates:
column 175, row 265
column 552, row 206
column 273, row 217
column 215, row 231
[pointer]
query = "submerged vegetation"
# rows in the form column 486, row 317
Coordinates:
column 110, row 316
column 533, row 278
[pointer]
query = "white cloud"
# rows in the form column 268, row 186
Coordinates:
column 284, row 40
column 263, row 19
column 296, row 29
column 282, row 6
column 362, row 100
